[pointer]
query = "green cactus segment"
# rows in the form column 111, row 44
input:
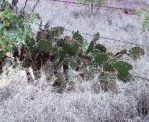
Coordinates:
column 123, row 69
column 136, row 52
column 146, row 23
column 30, row 42
column 90, row 48
column 60, row 55
column 122, row 66
column 101, row 58
column 33, row 51
column 70, row 46
column 100, row 47
column 1, row 55
column 45, row 46
column 77, row 36
column 60, row 42
column 57, row 31
column 71, row 49
column 124, row 76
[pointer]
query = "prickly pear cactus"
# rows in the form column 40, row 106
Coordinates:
column 136, row 52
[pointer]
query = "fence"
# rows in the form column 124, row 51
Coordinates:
column 96, row 5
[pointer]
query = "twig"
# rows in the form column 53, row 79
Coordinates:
column 35, row 6
column 91, row 8
column 25, row 4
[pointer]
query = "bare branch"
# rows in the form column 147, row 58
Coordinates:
column 14, row 2
column 25, row 4
column 35, row 5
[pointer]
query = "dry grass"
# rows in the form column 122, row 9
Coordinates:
column 35, row 101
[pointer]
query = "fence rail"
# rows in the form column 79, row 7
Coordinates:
column 112, row 39
column 97, row 5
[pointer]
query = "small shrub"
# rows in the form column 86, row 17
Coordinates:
column 144, row 13
column 14, row 30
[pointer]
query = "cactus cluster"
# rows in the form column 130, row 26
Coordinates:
column 70, row 52
column 63, row 52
